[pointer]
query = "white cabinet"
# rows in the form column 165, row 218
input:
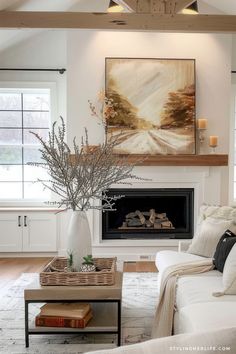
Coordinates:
column 10, row 232
column 28, row 232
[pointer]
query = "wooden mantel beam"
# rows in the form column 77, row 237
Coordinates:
column 119, row 21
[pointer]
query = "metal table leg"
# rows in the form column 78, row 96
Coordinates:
column 26, row 324
column 119, row 323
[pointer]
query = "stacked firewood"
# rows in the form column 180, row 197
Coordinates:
column 146, row 219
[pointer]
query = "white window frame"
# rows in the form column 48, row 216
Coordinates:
column 232, row 151
column 18, row 85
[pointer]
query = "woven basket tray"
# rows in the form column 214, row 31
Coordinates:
column 54, row 274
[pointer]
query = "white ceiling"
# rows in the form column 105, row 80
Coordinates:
column 9, row 38
column 226, row 6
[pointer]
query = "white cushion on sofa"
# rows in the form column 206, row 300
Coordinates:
column 229, row 273
column 219, row 212
column 165, row 259
column 168, row 258
column 198, row 288
column 205, row 316
column 204, row 341
column 208, row 234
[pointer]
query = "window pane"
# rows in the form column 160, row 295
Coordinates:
column 33, row 173
column 10, row 119
column 36, row 101
column 10, row 173
column 11, row 190
column 32, row 155
column 29, row 138
column 36, row 120
column 36, row 191
column 22, row 111
column 10, row 101
column 10, row 155
column 10, row 136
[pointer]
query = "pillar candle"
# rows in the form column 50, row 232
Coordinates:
column 202, row 123
column 213, row 140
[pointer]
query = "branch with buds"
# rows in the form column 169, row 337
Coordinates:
column 82, row 182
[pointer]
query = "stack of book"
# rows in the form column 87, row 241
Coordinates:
column 72, row 315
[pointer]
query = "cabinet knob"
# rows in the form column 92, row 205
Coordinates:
column 25, row 220
column 19, row 221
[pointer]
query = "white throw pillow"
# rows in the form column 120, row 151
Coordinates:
column 229, row 273
column 218, row 212
column 208, row 234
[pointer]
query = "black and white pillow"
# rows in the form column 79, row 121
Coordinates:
column 224, row 246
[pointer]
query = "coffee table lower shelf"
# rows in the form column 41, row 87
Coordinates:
column 106, row 320
column 105, row 302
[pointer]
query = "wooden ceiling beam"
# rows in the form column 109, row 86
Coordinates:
column 119, row 21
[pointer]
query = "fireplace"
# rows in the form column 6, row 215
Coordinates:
column 150, row 214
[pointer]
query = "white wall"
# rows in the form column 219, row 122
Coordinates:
column 86, row 67
column 86, row 52
column 234, row 58
column 83, row 54
column 43, row 49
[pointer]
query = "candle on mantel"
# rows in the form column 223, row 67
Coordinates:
column 213, row 140
column 202, row 123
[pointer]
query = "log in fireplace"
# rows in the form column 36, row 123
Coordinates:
column 150, row 213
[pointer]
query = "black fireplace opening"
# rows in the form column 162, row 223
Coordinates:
column 154, row 213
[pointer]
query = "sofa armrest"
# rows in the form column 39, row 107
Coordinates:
column 184, row 245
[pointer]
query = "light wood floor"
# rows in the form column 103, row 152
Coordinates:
column 143, row 266
column 11, row 268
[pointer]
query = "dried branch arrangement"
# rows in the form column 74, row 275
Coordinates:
column 81, row 182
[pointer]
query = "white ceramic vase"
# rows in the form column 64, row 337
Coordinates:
column 79, row 238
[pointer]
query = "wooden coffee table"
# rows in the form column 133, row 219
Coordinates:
column 105, row 302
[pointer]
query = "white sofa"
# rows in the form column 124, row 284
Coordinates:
column 197, row 308
column 203, row 323
column 212, row 342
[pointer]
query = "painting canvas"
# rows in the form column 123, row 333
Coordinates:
column 155, row 104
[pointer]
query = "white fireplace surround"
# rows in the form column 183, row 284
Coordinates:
column 205, row 181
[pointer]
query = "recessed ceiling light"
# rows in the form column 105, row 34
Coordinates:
column 114, row 7
column 191, row 9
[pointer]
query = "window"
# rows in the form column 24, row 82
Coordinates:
column 22, row 111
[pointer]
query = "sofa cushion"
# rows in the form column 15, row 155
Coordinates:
column 205, row 316
column 223, row 248
column 199, row 288
column 208, row 235
column 218, row 212
column 202, row 341
column 168, row 258
column 229, row 273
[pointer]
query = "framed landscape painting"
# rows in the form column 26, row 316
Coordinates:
column 155, row 104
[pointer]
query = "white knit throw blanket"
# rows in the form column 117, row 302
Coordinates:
column 163, row 321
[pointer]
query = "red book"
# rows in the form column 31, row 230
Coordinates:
column 59, row 321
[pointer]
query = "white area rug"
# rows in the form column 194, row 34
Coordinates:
column 138, row 305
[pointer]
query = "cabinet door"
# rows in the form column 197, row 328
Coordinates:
column 39, row 232
column 10, row 232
